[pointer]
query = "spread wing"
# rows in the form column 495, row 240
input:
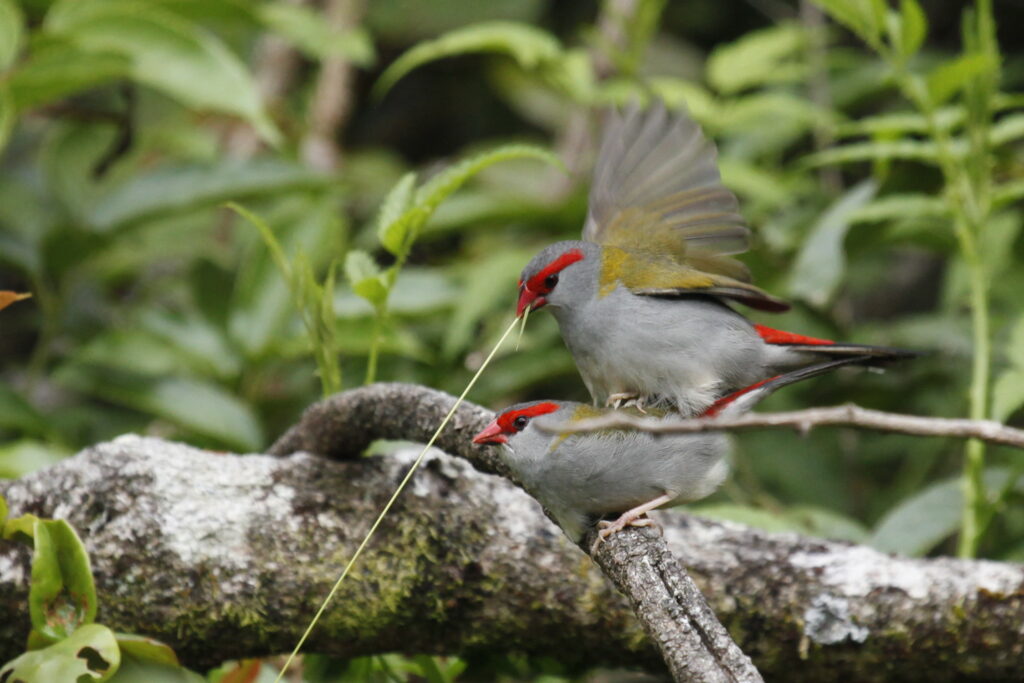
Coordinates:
column 656, row 188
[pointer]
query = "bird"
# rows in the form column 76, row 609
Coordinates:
column 644, row 301
column 582, row 477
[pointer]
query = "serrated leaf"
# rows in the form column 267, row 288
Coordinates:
column 89, row 655
column 62, row 595
column 819, row 266
column 365, row 277
column 757, row 58
column 8, row 297
column 310, row 31
column 951, row 77
column 12, row 27
column 391, row 230
column 899, row 206
column 528, row 45
column 914, row 25
column 166, row 52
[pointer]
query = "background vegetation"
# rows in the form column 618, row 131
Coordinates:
column 876, row 150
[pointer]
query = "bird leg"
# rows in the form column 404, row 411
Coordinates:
column 629, row 518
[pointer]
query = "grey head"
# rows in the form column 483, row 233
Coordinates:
column 561, row 275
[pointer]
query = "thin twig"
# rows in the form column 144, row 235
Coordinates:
column 848, row 415
column 332, row 96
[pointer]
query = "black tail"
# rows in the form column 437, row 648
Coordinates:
column 745, row 399
column 864, row 354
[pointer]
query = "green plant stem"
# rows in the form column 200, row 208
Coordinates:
column 371, row 359
column 970, row 215
column 976, row 507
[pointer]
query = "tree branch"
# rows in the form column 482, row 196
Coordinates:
column 228, row 556
column 848, row 415
column 673, row 612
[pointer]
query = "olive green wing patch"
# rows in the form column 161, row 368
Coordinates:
column 656, row 188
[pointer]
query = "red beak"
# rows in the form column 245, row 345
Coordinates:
column 528, row 299
column 492, row 433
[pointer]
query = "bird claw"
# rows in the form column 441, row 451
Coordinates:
column 606, row 528
column 625, row 399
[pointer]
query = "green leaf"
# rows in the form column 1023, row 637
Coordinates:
column 438, row 188
column 311, row 32
column 166, row 52
column 860, row 16
column 3, row 512
column 8, row 115
column 18, row 414
column 819, row 266
column 62, row 595
column 57, row 68
column 906, row 150
column 89, row 655
column 136, row 670
column 365, row 277
column 919, row 523
column 900, row 123
column 194, row 404
column 759, row 57
column 951, row 77
column 1007, row 129
column 391, row 230
column 1008, row 394
column 21, row 528
column 1008, row 192
column 145, row 648
column 172, row 188
column 896, row 207
column 12, row 27
column 18, row 458
column 914, row 26
column 529, row 46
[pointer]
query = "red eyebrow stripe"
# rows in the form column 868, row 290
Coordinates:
column 505, row 420
column 536, row 283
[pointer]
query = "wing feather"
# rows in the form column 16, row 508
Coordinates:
column 657, row 188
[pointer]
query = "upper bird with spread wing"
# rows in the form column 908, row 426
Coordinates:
column 642, row 300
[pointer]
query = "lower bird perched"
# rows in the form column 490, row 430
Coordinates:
column 582, row 477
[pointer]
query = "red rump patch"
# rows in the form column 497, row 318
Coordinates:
column 536, row 283
column 771, row 336
column 506, row 419
column 716, row 407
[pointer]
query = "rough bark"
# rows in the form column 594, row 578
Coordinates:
column 670, row 607
column 227, row 556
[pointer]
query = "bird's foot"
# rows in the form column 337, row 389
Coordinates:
column 625, row 399
column 606, row 528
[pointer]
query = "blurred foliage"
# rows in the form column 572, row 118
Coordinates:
column 877, row 154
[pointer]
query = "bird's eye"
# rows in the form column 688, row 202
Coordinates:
column 551, row 280
column 520, row 422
